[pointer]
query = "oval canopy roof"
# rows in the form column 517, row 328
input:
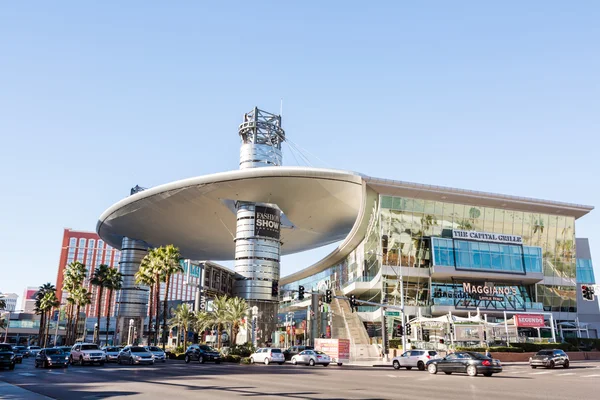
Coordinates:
column 198, row 214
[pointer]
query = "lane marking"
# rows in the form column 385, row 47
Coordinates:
column 56, row 373
column 81, row 372
column 590, row 376
column 539, row 373
column 568, row 373
column 26, row 374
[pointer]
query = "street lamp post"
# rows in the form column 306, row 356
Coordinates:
column 96, row 333
column 131, row 322
column 7, row 326
column 254, row 321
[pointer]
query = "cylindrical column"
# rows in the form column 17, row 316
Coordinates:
column 133, row 299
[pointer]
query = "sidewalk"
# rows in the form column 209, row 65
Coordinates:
column 8, row 391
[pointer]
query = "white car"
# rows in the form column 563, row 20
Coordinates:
column 87, row 353
column 414, row 358
column 159, row 354
column 267, row 355
column 312, row 358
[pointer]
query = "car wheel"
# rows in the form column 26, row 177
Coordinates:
column 119, row 360
column 102, row 363
column 70, row 360
column 80, row 360
column 131, row 362
column 200, row 359
column 11, row 367
column 280, row 363
column 396, row 364
column 294, row 362
column 432, row 368
column 267, row 361
column 35, row 363
column 487, row 374
column 408, row 368
column 421, row 366
column 339, row 364
column 533, row 367
column 448, row 373
column 551, row 365
column 311, row 362
column 187, row 359
column 325, row 365
column 218, row 362
column 566, row 364
column 471, row 370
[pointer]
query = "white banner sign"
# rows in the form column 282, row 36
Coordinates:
column 486, row 237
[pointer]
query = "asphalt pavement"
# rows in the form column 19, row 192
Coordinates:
column 175, row 379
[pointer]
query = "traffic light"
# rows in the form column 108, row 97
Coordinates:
column 301, row 293
column 399, row 330
column 275, row 289
column 408, row 330
column 328, row 296
column 451, row 328
column 587, row 292
column 441, row 341
column 352, row 302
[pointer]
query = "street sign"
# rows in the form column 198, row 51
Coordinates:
column 392, row 313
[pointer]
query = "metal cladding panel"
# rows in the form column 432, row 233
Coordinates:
column 254, row 290
column 254, row 155
column 133, row 298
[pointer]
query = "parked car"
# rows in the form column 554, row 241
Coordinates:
column 18, row 354
column 86, row 353
column 549, row 359
column 202, row 353
column 33, row 350
column 51, row 357
column 311, row 357
column 159, row 354
column 112, row 353
column 414, row 358
column 7, row 356
column 470, row 362
column 293, row 350
column 21, row 350
column 135, row 355
column 267, row 355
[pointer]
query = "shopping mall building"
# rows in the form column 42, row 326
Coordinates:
column 429, row 251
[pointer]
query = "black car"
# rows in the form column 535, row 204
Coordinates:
column 202, row 353
column 18, row 354
column 51, row 358
column 7, row 356
column 293, row 350
column 468, row 362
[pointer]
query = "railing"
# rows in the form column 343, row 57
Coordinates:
column 445, row 301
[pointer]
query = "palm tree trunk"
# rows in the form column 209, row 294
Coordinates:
column 110, row 293
column 42, row 327
column 47, row 327
column 164, row 333
column 184, row 338
column 156, row 305
column 69, row 326
column 150, row 309
column 219, row 335
column 99, row 312
column 76, row 327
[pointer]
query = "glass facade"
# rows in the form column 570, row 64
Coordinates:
column 585, row 271
column 491, row 257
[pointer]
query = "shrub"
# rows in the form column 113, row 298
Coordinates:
column 232, row 359
column 243, row 350
column 535, row 347
column 245, row 360
column 395, row 343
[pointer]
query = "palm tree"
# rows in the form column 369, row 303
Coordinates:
column 82, row 297
column 114, row 282
column 74, row 276
column 145, row 276
column 100, row 280
column 220, row 315
column 183, row 317
column 47, row 304
column 45, row 288
column 170, row 265
column 2, row 304
column 152, row 265
column 204, row 321
column 237, row 310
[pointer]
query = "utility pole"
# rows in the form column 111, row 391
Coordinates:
column 314, row 326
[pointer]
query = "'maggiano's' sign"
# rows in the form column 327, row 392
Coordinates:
column 486, row 237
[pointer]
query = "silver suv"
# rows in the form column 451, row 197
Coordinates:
column 414, row 358
column 549, row 359
column 87, row 353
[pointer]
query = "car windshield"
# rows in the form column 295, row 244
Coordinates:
column 113, row 349
column 154, row 348
column 89, row 347
column 50, row 352
column 5, row 347
column 275, row 351
column 138, row 349
column 67, row 349
column 34, row 347
column 544, row 353
column 319, row 352
column 207, row 348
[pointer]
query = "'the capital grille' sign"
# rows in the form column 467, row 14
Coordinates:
column 267, row 222
column 486, row 237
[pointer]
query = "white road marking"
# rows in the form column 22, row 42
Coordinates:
column 539, row 373
column 513, row 372
column 590, row 376
column 392, row 376
column 56, row 373
column 81, row 371
column 26, row 374
column 568, row 373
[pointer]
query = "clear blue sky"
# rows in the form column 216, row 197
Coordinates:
column 96, row 97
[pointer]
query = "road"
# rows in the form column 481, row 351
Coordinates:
column 176, row 380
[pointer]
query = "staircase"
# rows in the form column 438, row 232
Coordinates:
column 347, row 325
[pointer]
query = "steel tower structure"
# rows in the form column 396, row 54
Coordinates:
column 257, row 241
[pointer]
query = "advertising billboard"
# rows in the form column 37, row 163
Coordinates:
column 529, row 320
column 267, row 222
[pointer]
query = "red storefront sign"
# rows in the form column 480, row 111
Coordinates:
column 529, row 320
